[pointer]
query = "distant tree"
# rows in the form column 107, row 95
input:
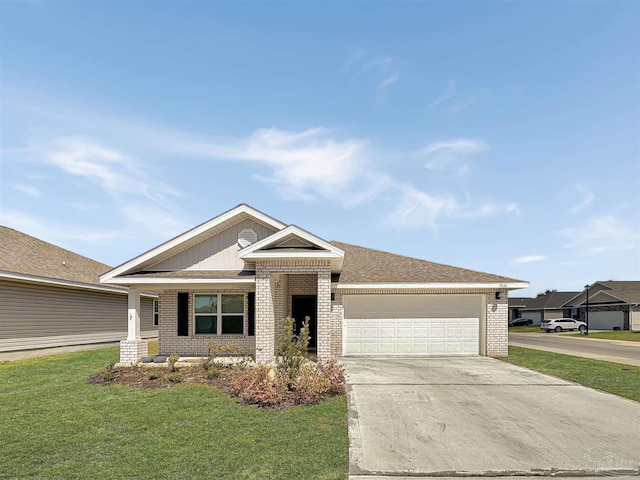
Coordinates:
column 547, row 292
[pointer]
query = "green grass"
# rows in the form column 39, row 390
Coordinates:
column 54, row 425
column 526, row 328
column 614, row 335
column 623, row 380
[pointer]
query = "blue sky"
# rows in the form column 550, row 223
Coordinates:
column 497, row 136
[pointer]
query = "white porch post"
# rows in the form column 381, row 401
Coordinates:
column 133, row 332
column 133, row 348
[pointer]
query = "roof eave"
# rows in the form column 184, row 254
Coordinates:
column 435, row 285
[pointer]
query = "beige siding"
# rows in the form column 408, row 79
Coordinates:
column 634, row 324
column 29, row 310
column 219, row 252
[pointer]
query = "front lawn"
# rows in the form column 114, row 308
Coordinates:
column 626, row 335
column 526, row 328
column 55, row 425
column 623, row 380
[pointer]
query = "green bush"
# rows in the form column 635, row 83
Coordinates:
column 292, row 349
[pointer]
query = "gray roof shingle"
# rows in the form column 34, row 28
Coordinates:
column 366, row 265
column 554, row 300
column 24, row 254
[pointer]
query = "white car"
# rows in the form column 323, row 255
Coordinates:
column 561, row 324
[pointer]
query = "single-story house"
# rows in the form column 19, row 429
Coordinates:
column 547, row 306
column 51, row 297
column 235, row 277
column 613, row 304
column 516, row 304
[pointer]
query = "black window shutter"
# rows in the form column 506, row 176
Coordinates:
column 251, row 313
column 183, row 314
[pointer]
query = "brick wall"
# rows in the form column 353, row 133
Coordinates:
column 497, row 336
column 276, row 281
column 193, row 345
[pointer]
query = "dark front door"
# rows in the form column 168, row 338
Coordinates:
column 306, row 306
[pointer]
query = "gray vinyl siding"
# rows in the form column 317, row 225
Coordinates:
column 219, row 252
column 35, row 310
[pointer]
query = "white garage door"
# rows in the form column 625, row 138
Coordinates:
column 411, row 324
column 533, row 315
column 605, row 320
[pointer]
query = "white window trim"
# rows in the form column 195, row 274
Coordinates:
column 156, row 312
column 219, row 314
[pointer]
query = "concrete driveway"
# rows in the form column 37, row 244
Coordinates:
column 477, row 416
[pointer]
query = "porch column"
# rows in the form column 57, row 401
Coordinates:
column 324, row 313
column 133, row 332
column 133, row 348
column 264, row 315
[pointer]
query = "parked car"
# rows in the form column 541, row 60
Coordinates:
column 561, row 324
column 519, row 322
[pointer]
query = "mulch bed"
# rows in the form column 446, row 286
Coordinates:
column 158, row 377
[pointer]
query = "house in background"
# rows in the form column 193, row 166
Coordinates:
column 52, row 297
column 516, row 304
column 547, row 306
column 234, row 278
column 612, row 305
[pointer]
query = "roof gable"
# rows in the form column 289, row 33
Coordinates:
column 191, row 238
column 294, row 242
column 625, row 291
column 368, row 266
column 27, row 255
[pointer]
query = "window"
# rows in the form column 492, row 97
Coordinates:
column 219, row 314
column 155, row 313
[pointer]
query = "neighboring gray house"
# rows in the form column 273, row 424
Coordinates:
column 234, row 278
column 52, row 297
column 612, row 305
column 547, row 306
column 516, row 304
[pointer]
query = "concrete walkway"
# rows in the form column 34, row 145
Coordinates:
column 480, row 417
column 617, row 351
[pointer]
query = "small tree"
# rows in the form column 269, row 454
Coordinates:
column 291, row 348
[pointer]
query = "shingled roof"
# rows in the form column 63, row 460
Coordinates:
column 629, row 291
column 366, row 265
column 23, row 254
column 553, row 300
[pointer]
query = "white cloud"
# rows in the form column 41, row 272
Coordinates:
column 386, row 83
column 445, row 95
column 588, row 200
column 528, row 259
column 452, row 154
column 602, row 234
column 113, row 170
column 306, row 163
column 159, row 222
column 55, row 232
column 28, row 189
column 418, row 209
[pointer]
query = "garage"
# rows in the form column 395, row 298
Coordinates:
column 389, row 325
column 606, row 320
column 536, row 316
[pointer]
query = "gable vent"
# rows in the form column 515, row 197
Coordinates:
column 246, row 237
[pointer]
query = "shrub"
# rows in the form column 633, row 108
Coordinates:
column 334, row 372
column 154, row 375
column 260, row 385
column 291, row 351
column 174, row 378
column 172, row 361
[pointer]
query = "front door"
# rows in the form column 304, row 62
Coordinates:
column 306, row 306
